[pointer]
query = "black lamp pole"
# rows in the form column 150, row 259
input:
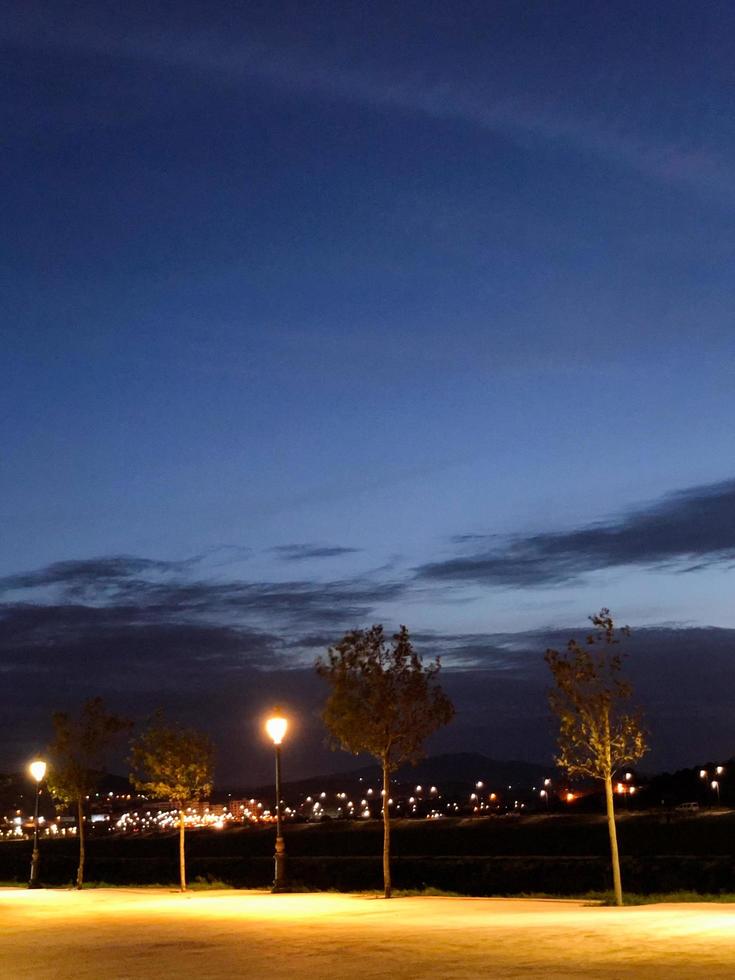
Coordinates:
column 33, row 881
column 279, row 883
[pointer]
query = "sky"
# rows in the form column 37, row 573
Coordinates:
column 317, row 315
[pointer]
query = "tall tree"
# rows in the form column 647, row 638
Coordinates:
column 77, row 756
column 175, row 764
column 599, row 730
column 384, row 701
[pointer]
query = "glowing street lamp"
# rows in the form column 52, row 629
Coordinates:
column 276, row 728
column 715, row 785
column 37, row 769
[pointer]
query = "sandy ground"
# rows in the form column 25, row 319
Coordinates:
column 141, row 933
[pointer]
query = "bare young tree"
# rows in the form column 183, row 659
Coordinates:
column 175, row 764
column 599, row 730
column 385, row 702
column 77, row 756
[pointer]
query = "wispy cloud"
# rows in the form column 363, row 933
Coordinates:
column 304, row 552
column 558, row 117
column 93, row 602
column 685, row 532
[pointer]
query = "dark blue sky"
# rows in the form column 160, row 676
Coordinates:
column 323, row 314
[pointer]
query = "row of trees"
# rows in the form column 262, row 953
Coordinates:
column 166, row 761
column 384, row 701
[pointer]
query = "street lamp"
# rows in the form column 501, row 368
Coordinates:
column 276, row 727
column 37, row 769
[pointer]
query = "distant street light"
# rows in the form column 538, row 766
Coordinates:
column 38, row 770
column 545, row 797
column 276, row 727
column 716, row 789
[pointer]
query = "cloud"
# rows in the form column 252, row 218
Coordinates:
column 87, row 572
column 217, row 653
column 67, row 610
column 302, row 552
column 685, row 531
column 593, row 117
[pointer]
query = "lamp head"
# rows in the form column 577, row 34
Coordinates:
column 276, row 727
column 37, row 769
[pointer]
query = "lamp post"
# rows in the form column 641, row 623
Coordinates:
column 38, row 770
column 276, row 727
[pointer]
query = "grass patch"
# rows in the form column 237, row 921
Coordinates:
column 634, row 898
column 208, row 884
column 660, row 898
column 426, row 890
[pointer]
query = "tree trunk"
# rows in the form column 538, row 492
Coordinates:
column 182, row 855
column 386, row 830
column 615, row 858
column 80, row 834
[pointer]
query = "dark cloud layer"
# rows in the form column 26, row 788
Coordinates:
column 222, row 678
column 685, row 531
column 217, row 651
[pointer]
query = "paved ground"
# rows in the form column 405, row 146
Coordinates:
column 140, row 933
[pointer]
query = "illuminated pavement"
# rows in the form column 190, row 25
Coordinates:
column 127, row 933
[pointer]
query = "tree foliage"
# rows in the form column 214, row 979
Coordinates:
column 599, row 730
column 77, row 755
column 384, row 700
column 176, row 764
column 172, row 763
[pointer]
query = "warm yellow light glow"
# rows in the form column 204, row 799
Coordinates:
column 37, row 769
column 276, row 728
column 570, row 797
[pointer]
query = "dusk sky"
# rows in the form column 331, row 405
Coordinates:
column 317, row 315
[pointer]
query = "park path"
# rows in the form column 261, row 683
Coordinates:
column 152, row 932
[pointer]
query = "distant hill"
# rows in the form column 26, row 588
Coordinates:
column 455, row 772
